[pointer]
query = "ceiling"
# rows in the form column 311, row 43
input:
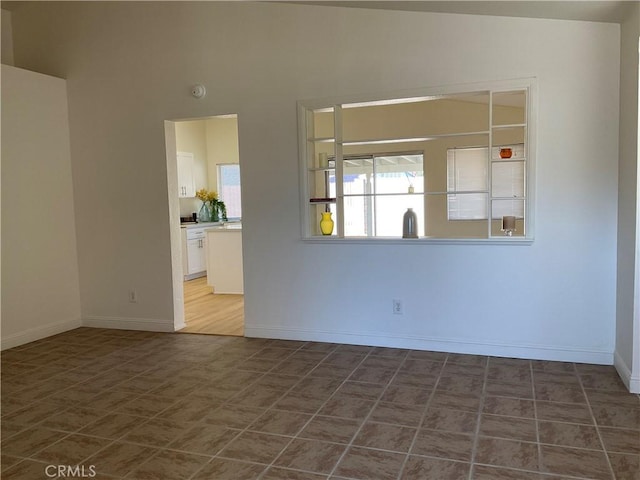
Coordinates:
column 609, row 11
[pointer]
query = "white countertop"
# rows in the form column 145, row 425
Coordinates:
column 235, row 225
column 199, row 225
column 227, row 227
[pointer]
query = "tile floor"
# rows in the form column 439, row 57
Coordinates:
column 137, row 405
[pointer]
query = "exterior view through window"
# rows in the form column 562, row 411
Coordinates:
column 229, row 188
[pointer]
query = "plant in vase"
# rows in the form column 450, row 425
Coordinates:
column 217, row 207
column 212, row 209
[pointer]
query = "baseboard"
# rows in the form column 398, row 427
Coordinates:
column 193, row 276
column 534, row 352
column 120, row 323
column 38, row 333
column 631, row 382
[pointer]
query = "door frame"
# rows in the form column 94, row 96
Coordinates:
column 175, row 233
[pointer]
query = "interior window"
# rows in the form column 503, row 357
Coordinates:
column 460, row 161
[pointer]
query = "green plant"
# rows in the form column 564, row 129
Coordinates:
column 217, row 207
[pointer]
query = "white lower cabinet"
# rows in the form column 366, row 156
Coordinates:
column 194, row 256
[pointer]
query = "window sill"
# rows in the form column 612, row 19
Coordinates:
column 420, row 241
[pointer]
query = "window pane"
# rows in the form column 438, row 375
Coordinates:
column 322, row 184
column 320, row 154
column 390, row 210
column 416, row 118
column 509, row 107
column 358, row 175
column 229, row 189
column 507, row 179
column 508, row 153
column 315, row 216
column 508, row 136
column 501, row 208
column 467, row 206
column 358, row 216
column 399, row 174
column 466, row 169
column 439, row 225
column 320, row 123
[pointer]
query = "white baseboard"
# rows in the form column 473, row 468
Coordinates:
column 121, row 323
column 37, row 333
column 193, row 276
column 631, row 382
column 534, row 352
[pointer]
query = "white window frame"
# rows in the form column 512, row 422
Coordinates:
column 305, row 107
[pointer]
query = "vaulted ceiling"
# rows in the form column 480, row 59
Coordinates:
column 594, row 11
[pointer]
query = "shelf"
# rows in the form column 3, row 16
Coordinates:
column 426, row 138
column 321, row 169
column 322, row 140
column 512, row 125
column 322, row 200
column 507, row 160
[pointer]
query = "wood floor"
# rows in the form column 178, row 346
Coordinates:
column 212, row 314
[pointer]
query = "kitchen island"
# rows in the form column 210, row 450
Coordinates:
column 224, row 258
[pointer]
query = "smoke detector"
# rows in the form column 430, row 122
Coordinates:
column 198, row 91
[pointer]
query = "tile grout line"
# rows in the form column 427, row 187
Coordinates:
column 318, row 410
column 595, row 423
column 535, row 415
column 246, row 428
column 422, row 417
column 364, row 420
column 476, row 437
column 285, row 392
column 160, row 449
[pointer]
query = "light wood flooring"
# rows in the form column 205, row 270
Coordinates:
column 205, row 312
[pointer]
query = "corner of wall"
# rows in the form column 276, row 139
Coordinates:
column 6, row 42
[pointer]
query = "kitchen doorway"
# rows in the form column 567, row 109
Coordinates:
column 203, row 177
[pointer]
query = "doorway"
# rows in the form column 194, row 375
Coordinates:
column 205, row 209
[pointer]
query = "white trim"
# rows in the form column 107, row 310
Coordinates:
column 193, row 276
column 122, row 323
column 306, row 106
column 175, row 233
column 534, row 352
column 420, row 241
column 33, row 334
column 631, row 382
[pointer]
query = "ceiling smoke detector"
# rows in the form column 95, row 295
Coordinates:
column 198, row 91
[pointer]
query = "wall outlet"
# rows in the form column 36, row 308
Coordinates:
column 397, row 307
column 133, row 296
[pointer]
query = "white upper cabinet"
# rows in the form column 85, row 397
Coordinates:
column 186, row 178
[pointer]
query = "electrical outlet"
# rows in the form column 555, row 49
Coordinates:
column 397, row 307
column 133, row 296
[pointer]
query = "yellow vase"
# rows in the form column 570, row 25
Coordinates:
column 326, row 223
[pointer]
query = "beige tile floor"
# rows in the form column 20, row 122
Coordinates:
column 140, row 405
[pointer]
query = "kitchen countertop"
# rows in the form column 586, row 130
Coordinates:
column 200, row 225
column 227, row 227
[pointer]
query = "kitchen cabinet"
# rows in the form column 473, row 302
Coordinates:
column 194, row 253
column 186, row 178
column 224, row 259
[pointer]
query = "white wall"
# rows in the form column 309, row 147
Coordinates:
column 191, row 136
column 628, row 299
column 6, row 40
column 130, row 66
column 222, row 145
column 40, row 288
